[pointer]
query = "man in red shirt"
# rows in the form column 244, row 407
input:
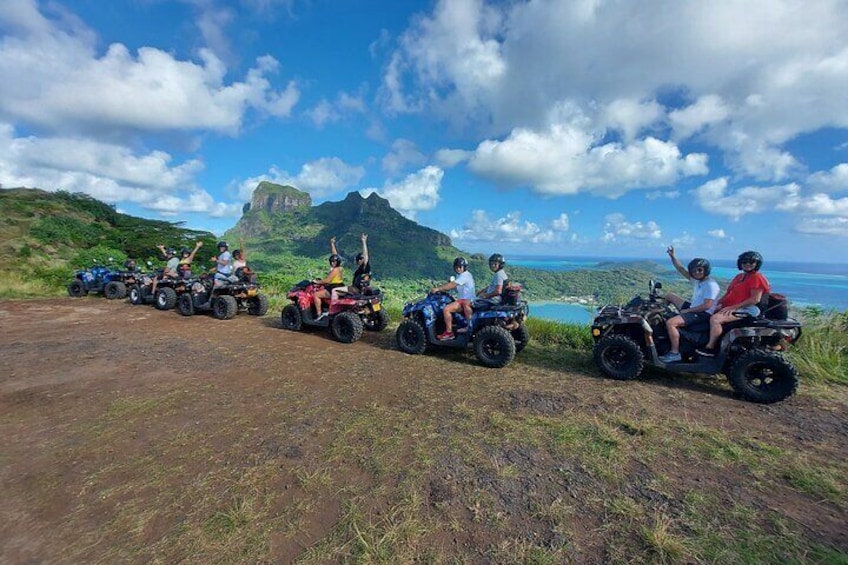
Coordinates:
column 743, row 294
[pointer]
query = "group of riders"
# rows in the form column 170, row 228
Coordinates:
column 742, row 297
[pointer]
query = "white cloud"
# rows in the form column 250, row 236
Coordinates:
column 631, row 117
column 616, row 227
column 834, row 180
column 449, row 158
column 417, row 192
column 561, row 223
column 714, row 197
column 706, row 111
column 403, row 155
column 509, row 229
column 63, row 85
column 333, row 111
column 824, row 226
column 320, row 178
column 657, row 194
column 717, row 233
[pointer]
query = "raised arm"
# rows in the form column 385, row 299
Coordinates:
column 197, row 246
column 676, row 263
column 161, row 249
column 333, row 246
column 364, row 239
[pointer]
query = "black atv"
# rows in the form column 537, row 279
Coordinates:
column 626, row 337
column 223, row 298
column 167, row 290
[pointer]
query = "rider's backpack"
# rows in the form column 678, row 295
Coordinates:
column 511, row 293
column 774, row 306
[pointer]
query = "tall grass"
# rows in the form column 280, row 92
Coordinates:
column 821, row 355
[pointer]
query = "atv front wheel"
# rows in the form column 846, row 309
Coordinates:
column 619, row 357
column 410, row 337
column 291, row 318
column 763, row 376
column 521, row 335
column 135, row 295
column 166, row 298
column 377, row 321
column 77, row 289
column 224, row 307
column 346, row 327
column 257, row 305
column 185, row 305
column 494, row 347
column 115, row 290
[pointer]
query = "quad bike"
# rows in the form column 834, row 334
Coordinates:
column 497, row 330
column 99, row 278
column 168, row 290
column 627, row 337
column 346, row 316
column 223, row 298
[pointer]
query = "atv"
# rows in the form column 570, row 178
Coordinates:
column 223, row 298
column 168, row 290
column 346, row 316
column 99, row 278
column 497, row 330
column 627, row 337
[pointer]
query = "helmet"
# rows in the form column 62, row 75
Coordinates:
column 359, row 257
column 335, row 259
column 750, row 257
column 497, row 258
column 170, row 251
column 460, row 262
column 699, row 262
column 223, row 244
column 129, row 264
column 237, row 253
column 185, row 251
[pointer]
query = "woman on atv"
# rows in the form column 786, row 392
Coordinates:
column 464, row 285
column 333, row 280
column 704, row 292
column 743, row 294
column 187, row 258
column 362, row 274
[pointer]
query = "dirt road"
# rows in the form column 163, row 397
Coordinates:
column 133, row 435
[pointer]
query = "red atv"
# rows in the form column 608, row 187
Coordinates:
column 346, row 316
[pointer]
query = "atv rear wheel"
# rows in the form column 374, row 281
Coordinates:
column 346, row 327
column 619, row 357
column 410, row 337
column 135, row 295
column 115, row 290
column 521, row 335
column 257, row 305
column 224, row 307
column 291, row 318
column 494, row 347
column 166, row 298
column 185, row 304
column 376, row 321
column 763, row 376
column 77, row 289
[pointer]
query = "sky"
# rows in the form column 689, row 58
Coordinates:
column 527, row 127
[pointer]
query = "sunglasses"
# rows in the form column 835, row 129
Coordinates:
column 747, row 262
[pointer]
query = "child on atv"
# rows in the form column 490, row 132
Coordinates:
column 464, row 285
column 333, row 280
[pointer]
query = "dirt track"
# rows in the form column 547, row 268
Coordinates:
column 127, row 432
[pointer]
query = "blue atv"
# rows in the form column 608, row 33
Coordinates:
column 98, row 278
column 497, row 329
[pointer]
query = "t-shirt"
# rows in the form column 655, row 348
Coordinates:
column 228, row 268
column 498, row 279
column 465, row 286
column 739, row 289
column 172, row 265
column 361, row 271
column 702, row 290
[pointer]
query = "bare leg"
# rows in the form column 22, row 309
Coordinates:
column 673, row 325
column 716, row 321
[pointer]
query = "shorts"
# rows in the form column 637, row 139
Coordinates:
column 750, row 310
column 690, row 318
column 464, row 301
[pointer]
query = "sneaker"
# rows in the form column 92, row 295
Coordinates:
column 670, row 357
column 444, row 336
column 321, row 317
column 706, row 352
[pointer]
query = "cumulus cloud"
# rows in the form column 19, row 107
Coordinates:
column 417, row 192
column 714, row 196
column 834, row 180
column 745, row 77
column 717, row 233
column 320, row 178
column 327, row 111
column 824, row 226
column 616, row 227
column 508, row 229
column 449, row 158
column 403, row 155
column 63, row 85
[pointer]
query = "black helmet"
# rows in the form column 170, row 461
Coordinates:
column 460, row 262
column 237, row 253
column 497, row 258
column 185, row 251
column 335, row 259
column 130, row 264
column 170, row 251
column 699, row 262
column 750, row 257
column 222, row 244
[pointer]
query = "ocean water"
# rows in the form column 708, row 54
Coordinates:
column 824, row 285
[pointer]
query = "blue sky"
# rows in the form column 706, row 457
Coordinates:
column 580, row 127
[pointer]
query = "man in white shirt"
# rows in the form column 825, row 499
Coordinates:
column 464, row 285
